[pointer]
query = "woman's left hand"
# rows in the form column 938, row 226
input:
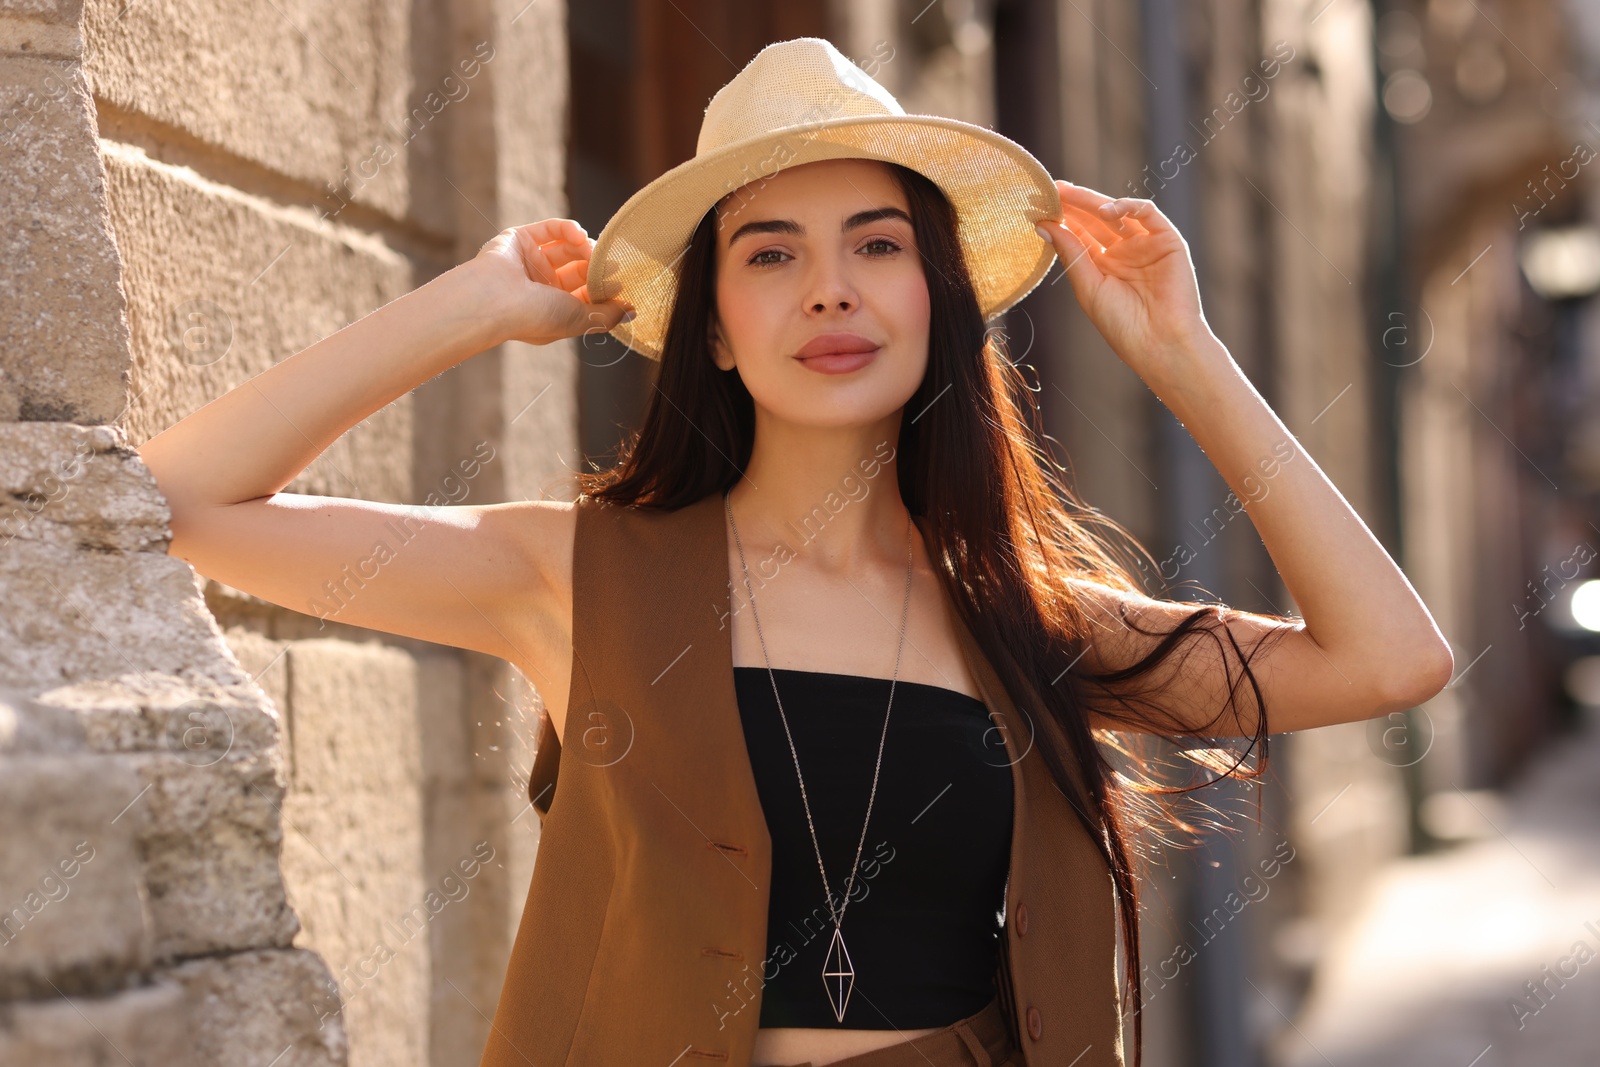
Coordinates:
column 1131, row 272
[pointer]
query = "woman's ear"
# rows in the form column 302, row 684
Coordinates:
column 720, row 353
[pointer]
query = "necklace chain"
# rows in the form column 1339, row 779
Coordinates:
column 838, row 917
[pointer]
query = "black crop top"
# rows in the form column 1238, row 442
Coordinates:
column 923, row 920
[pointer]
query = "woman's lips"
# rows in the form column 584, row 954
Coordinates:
column 839, row 352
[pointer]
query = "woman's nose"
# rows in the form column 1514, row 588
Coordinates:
column 831, row 287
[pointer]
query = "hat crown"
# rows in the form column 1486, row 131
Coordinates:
column 791, row 83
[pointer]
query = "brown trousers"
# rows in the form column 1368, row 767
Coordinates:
column 980, row 1040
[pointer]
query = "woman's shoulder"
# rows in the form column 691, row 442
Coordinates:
column 538, row 534
column 587, row 518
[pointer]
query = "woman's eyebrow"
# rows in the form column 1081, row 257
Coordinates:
column 861, row 218
column 789, row 226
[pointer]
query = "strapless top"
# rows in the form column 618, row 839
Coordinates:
column 922, row 922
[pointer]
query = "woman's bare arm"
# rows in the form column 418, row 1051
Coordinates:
column 1367, row 645
column 448, row 574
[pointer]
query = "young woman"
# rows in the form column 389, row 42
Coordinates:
column 824, row 322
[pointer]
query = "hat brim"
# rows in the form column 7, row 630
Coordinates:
column 998, row 188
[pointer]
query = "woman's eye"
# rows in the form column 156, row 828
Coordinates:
column 893, row 248
column 757, row 261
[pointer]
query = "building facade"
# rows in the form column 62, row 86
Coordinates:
column 299, row 842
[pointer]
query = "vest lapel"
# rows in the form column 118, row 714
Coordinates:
column 724, row 729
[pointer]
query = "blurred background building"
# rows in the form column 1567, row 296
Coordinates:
column 295, row 842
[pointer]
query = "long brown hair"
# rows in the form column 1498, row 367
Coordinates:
column 1006, row 527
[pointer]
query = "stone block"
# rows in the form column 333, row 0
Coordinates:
column 267, row 663
column 249, row 1007
column 355, row 105
column 144, row 1027
column 32, row 36
column 212, row 842
column 198, row 722
column 77, row 487
column 29, row 727
column 74, row 614
column 355, row 877
column 446, row 755
column 222, row 285
column 355, row 720
column 49, row 10
column 465, row 865
column 73, row 916
column 353, row 854
column 63, row 338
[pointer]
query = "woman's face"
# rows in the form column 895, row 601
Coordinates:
column 821, row 256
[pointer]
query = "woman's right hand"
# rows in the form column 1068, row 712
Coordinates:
column 535, row 283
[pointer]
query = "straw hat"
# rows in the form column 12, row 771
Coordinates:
column 797, row 102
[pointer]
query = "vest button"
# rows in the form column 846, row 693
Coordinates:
column 1035, row 1023
column 1022, row 919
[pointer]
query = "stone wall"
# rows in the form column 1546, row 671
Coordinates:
column 233, row 832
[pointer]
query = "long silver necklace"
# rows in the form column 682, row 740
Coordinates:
column 838, row 974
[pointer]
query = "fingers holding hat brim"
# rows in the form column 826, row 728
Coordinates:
column 1097, row 227
column 560, row 253
column 549, row 245
column 613, row 311
column 546, row 231
column 1073, row 247
column 557, row 259
column 1086, row 208
column 1136, row 215
column 572, row 276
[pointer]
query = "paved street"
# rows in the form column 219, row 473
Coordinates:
column 1487, row 955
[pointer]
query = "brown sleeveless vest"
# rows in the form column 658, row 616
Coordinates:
column 643, row 938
